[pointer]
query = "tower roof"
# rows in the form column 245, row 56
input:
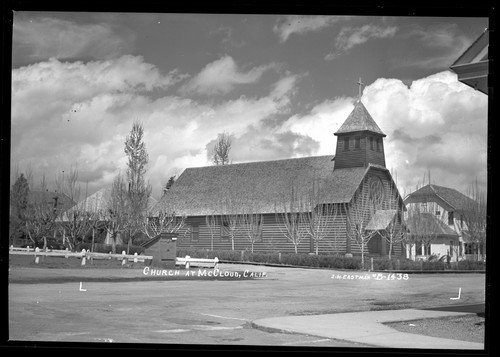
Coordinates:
column 359, row 120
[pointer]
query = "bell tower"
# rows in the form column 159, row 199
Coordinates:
column 359, row 139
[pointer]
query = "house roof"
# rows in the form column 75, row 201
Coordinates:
column 99, row 201
column 429, row 224
column 63, row 201
column 449, row 198
column 359, row 120
column 381, row 219
column 202, row 191
column 476, row 52
column 472, row 66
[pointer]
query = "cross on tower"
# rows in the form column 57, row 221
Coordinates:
column 361, row 84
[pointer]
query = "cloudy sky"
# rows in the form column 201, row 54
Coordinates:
column 279, row 85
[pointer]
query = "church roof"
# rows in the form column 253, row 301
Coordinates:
column 202, row 191
column 451, row 199
column 359, row 120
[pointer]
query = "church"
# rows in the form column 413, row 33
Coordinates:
column 352, row 193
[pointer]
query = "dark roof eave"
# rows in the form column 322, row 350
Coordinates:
column 381, row 134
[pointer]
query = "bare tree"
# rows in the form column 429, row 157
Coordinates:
column 358, row 213
column 115, row 216
column 473, row 217
column 221, row 149
column 163, row 222
column 211, row 223
column 394, row 233
column 288, row 212
column 252, row 223
column 422, row 226
column 77, row 223
column 67, row 183
column 318, row 218
column 232, row 219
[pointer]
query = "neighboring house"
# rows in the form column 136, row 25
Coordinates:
column 268, row 188
column 472, row 66
column 99, row 202
column 54, row 200
column 443, row 209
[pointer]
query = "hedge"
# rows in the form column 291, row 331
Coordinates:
column 332, row 261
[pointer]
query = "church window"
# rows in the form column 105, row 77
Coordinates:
column 357, row 142
column 378, row 144
column 371, row 142
column 346, row 143
column 195, row 233
column 224, row 232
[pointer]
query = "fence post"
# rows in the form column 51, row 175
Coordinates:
column 371, row 264
column 135, row 257
column 124, row 259
column 66, row 254
column 37, row 258
column 187, row 261
column 11, row 248
column 398, row 265
column 279, row 257
column 84, row 257
column 28, row 249
column 242, row 255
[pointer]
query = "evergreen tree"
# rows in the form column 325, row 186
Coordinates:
column 18, row 206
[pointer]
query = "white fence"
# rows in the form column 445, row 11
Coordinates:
column 187, row 261
column 84, row 255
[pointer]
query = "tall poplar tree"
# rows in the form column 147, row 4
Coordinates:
column 138, row 191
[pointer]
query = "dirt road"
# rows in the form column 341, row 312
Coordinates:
column 200, row 310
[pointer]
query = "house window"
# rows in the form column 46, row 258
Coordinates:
column 346, row 143
column 422, row 249
column 469, row 248
column 371, row 142
column 195, row 233
column 378, row 144
column 451, row 248
column 450, row 218
column 357, row 142
column 224, row 232
column 438, row 213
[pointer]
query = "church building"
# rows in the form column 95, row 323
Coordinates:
column 340, row 203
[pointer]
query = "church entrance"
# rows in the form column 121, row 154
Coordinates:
column 377, row 245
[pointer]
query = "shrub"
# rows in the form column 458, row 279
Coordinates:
column 470, row 265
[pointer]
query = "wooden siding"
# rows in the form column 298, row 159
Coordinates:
column 273, row 240
column 362, row 156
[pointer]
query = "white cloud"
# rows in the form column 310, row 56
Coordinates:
column 436, row 124
column 67, row 113
column 350, row 37
column 222, row 75
column 300, row 24
column 42, row 38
